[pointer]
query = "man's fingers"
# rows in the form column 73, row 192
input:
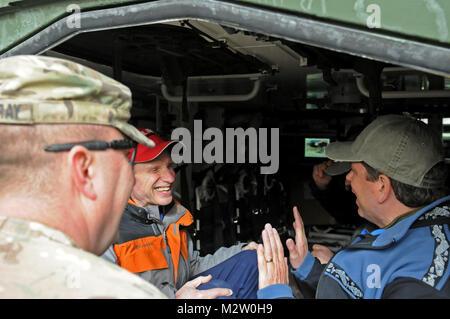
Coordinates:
column 190, row 291
column 199, row 281
column 250, row 246
column 316, row 171
column 297, row 218
column 279, row 246
column 298, row 226
column 262, row 267
column 214, row 293
column 287, row 272
column 272, row 242
column 267, row 244
column 299, row 248
column 290, row 244
column 260, row 256
column 319, row 247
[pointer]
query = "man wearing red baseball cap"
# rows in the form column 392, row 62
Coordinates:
column 154, row 242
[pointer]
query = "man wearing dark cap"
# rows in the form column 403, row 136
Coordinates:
column 155, row 244
column 328, row 187
column 397, row 174
column 64, row 180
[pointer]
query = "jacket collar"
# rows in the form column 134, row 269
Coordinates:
column 383, row 238
column 173, row 213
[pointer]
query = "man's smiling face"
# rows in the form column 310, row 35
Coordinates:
column 154, row 181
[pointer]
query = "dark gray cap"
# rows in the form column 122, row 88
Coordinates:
column 338, row 168
column 401, row 147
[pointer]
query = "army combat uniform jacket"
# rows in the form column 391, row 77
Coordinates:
column 37, row 261
column 162, row 252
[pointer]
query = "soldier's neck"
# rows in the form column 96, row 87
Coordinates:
column 31, row 209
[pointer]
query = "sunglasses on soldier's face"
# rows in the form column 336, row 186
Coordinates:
column 97, row 146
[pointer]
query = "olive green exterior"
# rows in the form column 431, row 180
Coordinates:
column 427, row 19
column 410, row 33
column 19, row 22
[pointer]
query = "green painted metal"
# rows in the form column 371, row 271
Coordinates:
column 421, row 19
column 426, row 19
column 20, row 21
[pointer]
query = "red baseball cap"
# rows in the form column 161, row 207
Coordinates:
column 145, row 153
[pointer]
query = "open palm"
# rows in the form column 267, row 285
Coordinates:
column 298, row 249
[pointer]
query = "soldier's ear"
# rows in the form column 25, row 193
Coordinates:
column 82, row 171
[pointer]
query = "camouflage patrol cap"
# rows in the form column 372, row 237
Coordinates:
column 39, row 89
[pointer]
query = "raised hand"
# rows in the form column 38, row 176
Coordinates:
column 321, row 252
column 298, row 249
column 272, row 264
column 321, row 179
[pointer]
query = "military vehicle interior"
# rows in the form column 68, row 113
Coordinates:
column 188, row 70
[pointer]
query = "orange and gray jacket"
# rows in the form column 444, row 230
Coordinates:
column 161, row 252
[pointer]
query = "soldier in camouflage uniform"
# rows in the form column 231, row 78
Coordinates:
column 61, row 199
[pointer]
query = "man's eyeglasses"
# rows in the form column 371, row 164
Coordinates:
column 97, row 146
